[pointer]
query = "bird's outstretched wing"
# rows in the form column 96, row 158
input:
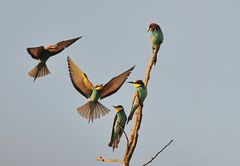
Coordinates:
column 79, row 79
column 64, row 44
column 115, row 83
column 36, row 52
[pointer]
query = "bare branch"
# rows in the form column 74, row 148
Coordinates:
column 149, row 68
column 158, row 153
column 109, row 160
column 138, row 118
column 133, row 137
column 132, row 142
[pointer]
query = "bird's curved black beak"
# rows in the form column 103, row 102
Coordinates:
column 130, row 82
column 113, row 106
column 148, row 30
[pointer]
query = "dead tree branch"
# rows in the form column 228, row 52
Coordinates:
column 109, row 160
column 138, row 119
column 132, row 141
column 133, row 137
column 149, row 68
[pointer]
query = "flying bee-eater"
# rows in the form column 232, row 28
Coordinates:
column 139, row 96
column 118, row 126
column 93, row 108
column 156, row 38
column 43, row 53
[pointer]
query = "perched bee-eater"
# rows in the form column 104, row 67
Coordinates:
column 156, row 38
column 42, row 54
column 139, row 97
column 93, row 108
column 118, row 126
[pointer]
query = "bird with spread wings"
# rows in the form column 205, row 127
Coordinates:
column 41, row 53
column 93, row 109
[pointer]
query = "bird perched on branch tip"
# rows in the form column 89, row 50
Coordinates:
column 156, row 38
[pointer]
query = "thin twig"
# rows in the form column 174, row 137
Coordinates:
column 124, row 134
column 158, row 153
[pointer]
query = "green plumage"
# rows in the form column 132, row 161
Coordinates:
column 118, row 127
column 95, row 95
column 156, row 38
column 93, row 109
column 142, row 92
column 139, row 97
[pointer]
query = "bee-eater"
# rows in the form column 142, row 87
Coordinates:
column 93, row 108
column 156, row 38
column 41, row 53
column 118, row 126
column 139, row 97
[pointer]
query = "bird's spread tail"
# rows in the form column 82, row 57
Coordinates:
column 92, row 110
column 39, row 71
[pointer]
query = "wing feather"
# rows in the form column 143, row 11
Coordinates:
column 115, row 83
column 114, row 122
column 79, row 79
column 64, row 44
column 36, row 52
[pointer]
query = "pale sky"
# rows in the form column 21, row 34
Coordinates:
column 193, row 92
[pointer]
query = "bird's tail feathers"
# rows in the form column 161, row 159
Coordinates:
column 114, row 143
column 39, row 71
column 92, row 110
column 130, row 116
column 155, row 52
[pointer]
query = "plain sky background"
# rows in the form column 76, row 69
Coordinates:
column 193, row 92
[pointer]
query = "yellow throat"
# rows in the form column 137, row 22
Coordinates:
column 118, row 110
column 136, row 85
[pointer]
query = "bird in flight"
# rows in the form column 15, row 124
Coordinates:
column 43, row 53
column 93, row 108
